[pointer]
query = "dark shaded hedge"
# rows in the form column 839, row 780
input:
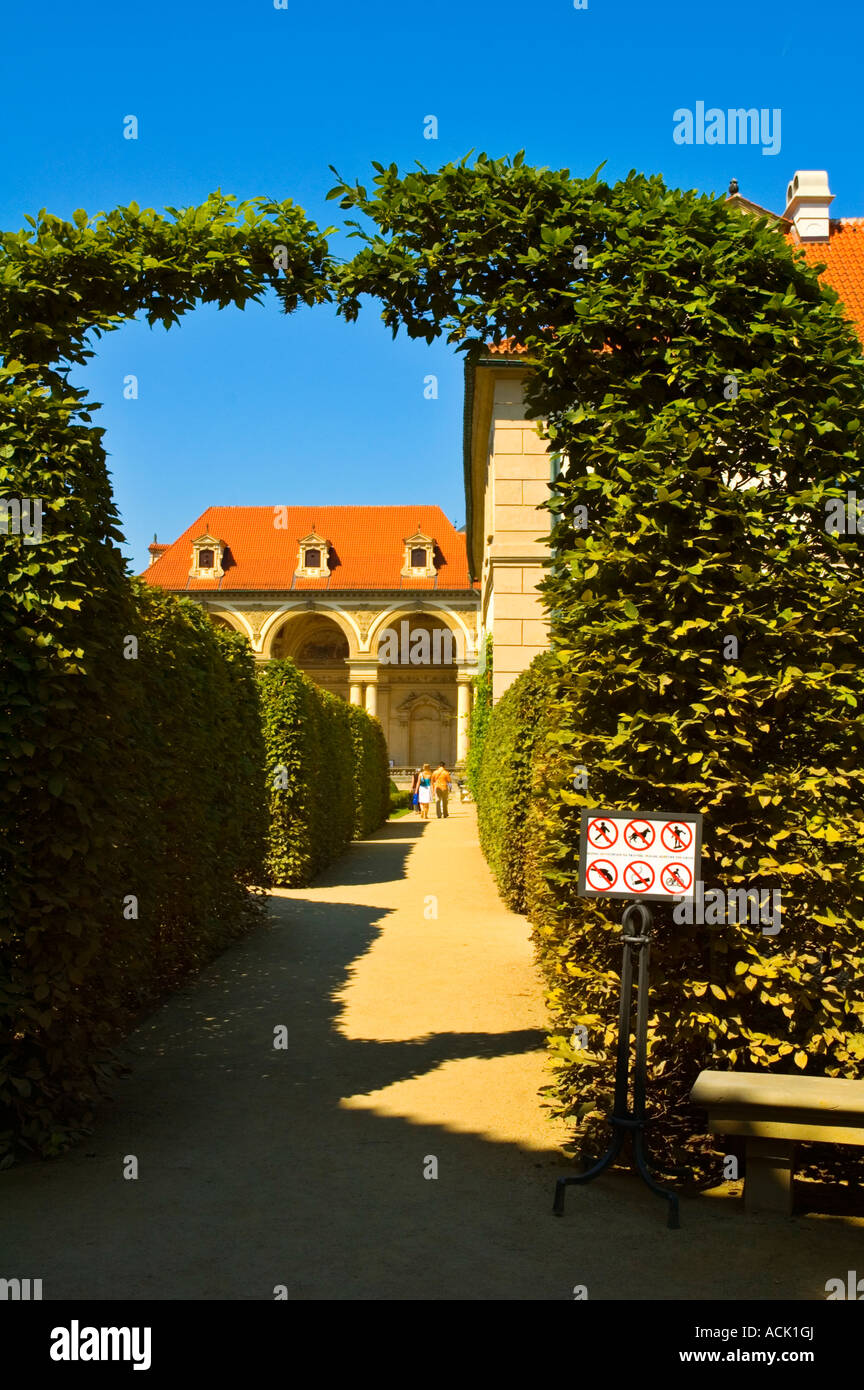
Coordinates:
column 144, row 816
column 205, row 749
column 327, row 772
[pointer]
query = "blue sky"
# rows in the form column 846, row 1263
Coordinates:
column 256, row 408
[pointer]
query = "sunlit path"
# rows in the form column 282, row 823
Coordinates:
column 450, row 958
column 408, row 1038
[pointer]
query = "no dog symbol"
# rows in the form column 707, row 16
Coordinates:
column 639, row 834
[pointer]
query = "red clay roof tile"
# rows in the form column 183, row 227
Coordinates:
column 367, row 549
column 843, row 258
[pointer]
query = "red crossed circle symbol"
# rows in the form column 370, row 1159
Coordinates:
column 677, row 835
column 602, row 833
column 638, row 876
column 676, row 878
column 601, row 875
column 639, row 833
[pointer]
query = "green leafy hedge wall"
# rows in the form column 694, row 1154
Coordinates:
column 504, row 779
column 141, row 857
column 327, row 773
column 371, row 773
column 480, row 712
column 121, row 777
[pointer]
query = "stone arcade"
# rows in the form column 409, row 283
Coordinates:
column 375, row 604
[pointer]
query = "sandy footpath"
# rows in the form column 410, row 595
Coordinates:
column 414, row 1045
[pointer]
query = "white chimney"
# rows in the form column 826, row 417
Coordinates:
column 808, row 199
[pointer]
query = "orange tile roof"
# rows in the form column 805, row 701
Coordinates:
column 508, row 347
column 843, row 258
column 367, row 549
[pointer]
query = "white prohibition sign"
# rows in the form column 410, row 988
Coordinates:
column 639, row 833
column 601, row 833
column 601, row 875
column 676, row 878
column 677, row 836
column 638, row 876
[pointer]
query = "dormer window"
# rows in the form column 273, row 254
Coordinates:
column 207, row 555
column 419, row 558
column 313, row 560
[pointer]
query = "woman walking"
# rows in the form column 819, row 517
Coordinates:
column 415, row 783
column 424, row 791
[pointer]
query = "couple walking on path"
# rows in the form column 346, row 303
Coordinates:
column 427, row 784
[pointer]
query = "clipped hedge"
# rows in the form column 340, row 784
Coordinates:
column 481, row 711
column 371, row 773
column 135, row 902
column 503, row 779
column 204, row 749
column 716, row 989
column 400, row 799
column 327, row 772
column 105, row 795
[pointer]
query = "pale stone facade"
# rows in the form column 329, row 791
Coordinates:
column 375, row 604
column 424, row 709
column 507, row 472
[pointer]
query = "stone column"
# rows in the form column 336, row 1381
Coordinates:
column 463, row 715
column 362, row 672
column 372, row 699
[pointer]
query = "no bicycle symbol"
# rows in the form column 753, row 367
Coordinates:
column 602, row 834
column 676, row 878
column 601, row 875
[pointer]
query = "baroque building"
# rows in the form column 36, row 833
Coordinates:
column 375, row 604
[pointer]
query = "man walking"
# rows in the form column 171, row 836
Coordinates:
column 441, row 782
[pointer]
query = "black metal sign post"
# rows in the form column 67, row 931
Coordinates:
column 623, row 1120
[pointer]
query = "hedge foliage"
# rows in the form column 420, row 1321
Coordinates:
column 481, row 709
column 79, row 816
column 205, row 757
column 504, row 779
column 703, row 391
column 162, row 886
column 327, row 773
column 371, row 773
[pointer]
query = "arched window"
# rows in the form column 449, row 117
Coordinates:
column 418, row 558
column 312, row 560
column 206, row 559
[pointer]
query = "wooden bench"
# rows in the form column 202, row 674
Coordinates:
column 772, row 1114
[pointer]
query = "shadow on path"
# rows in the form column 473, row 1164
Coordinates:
column 252, row 1174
